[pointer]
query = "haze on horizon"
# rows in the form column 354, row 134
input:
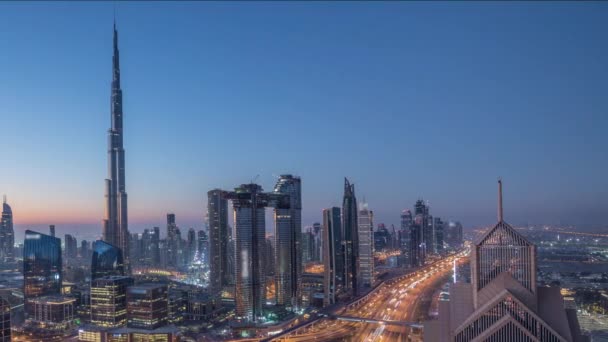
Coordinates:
column 407, row 100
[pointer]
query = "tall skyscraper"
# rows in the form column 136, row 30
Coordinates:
column 350, row 228
column 366, row 247
column 109, row 301
column 71, row 247
column 249, row 202
column 404, row 232
column 203, row 245
column 288, row 242
column 438, row 226
column 453, row 234
column 156, row 246
column 317, row 255
column 503, row 302
column 191, row 246
column 107, row 260
column 42, row 267
column 52, row 230
column 217, row 212
column 115, row 222
column 249, row 219
column 416, row 248
column 7, row 233
column 173, row 238
column 419, row 232
column 333, row 257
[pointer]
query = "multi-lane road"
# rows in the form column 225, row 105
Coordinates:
column 398, row 302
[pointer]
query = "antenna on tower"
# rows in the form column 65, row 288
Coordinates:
column 499, row 199
column 255, row 179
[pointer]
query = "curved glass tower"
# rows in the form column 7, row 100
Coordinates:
column 107, row 260
column 7, row 234
column 41, row 267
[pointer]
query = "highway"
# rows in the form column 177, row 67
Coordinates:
column 405, row 299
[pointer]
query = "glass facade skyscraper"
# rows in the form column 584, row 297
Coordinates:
column 288, row 242
column 217, row 213
column 366, row 247
column 42, row 267
column 333, row 257
column 250, row 224
column 7, row 234
column 107, row 260
column 351, row 236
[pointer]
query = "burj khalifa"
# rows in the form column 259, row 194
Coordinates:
column 115, row 222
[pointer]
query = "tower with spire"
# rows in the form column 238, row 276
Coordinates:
column 7, row 234
column 351, row 237
column 115, row 222
column 503, row 302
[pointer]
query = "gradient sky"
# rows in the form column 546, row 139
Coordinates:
column 409, row 100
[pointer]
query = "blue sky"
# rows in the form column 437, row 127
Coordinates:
column 409, row 100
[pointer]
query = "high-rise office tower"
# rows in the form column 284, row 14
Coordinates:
column 172, row 241
column 230, row 275
column 429, row 236
column 109, row 301
column 382, row 238
column 52, row 230
column 453, row 234
column 180, row 252
column 136, row 248
column 308, row 245
column 203, row 245
column 425, row 221
column 147, row 306
column 217, row 212
column 406, row 219
column 404, row 232
column 419, row 232
column 71, row 247
column 366, row 247
column 269, row 258
column 115, row 222
column 5, row 321
column 287, row 242
column 84, row 249
column 351, row 237
column 503, row 302
column 107, row 260
column 156, row 246
column 250, row 224
column 438, row 231
column 42, row 268
column 416, row 248
column 249, row 204
column 317, row 255
column 333, row 257
column 7, row 233
column 191, row 246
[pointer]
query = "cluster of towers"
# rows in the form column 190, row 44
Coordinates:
column 348, row 248
column 249, row 248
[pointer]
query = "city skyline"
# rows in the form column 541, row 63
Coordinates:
column 555, row 147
